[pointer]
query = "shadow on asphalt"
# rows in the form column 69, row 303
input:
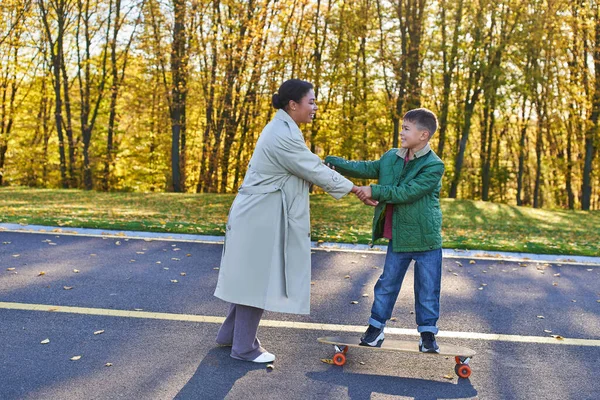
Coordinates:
column 216, row 375
column 362, row 386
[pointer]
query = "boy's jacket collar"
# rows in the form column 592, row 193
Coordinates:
column 402, row 152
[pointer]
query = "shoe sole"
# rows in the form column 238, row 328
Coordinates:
column 426, row 350
column 376, row 343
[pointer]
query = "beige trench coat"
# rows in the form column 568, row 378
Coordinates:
column 266, row 255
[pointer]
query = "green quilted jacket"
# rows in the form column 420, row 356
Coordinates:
column 414, row 190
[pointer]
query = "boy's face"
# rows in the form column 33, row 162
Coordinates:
column 413, row 137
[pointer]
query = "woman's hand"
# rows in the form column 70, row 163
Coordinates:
column 364, row 193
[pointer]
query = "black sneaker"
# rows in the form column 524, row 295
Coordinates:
column 372, row 337
column 427, row 343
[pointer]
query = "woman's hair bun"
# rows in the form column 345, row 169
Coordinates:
column 276, row 100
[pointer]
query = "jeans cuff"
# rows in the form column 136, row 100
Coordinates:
column 376, row 323
column 432, row 329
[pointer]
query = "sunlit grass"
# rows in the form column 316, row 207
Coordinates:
column 467, row 224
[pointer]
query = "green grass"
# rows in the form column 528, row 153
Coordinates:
column 467, row 224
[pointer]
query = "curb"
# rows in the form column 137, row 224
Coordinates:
column 324, row 246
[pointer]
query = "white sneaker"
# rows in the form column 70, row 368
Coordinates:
column 264, row 358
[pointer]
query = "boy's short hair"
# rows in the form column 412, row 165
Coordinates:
column 424, row 119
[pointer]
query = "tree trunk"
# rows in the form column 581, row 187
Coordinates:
column 592, row 132
column 178, row 93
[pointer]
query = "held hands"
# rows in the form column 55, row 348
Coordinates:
column 364, row 194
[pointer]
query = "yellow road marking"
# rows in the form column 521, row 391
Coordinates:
column 293, row 325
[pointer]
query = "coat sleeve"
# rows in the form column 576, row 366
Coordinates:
column 296, row 158
column 424, row 183
column 354, row 169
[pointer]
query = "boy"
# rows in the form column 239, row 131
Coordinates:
column 409, row 215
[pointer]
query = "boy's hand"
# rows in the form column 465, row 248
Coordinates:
column 371, row 202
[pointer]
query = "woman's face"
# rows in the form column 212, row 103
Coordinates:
column 304, row 111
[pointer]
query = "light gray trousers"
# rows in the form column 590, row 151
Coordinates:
column 239, row 330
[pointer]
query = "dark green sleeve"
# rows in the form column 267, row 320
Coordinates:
column 426, row 181
column 354, row 169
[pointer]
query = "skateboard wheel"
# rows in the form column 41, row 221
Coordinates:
column 462, row 370
column 339, row 359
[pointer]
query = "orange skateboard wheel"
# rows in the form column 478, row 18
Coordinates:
column 462, row 370
column 339, row 359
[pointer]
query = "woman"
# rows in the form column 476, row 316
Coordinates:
column 266, row 255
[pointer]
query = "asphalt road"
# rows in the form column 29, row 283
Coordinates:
column 164, row 359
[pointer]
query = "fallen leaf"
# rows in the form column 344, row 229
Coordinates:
column 540, row 316
column 45, row 341
column 139, row 252
column 93, row 255
column 554, row 284
column 75, row 358
column 16, row 255
column 393, row 319
column 138, row 309
column 472, row 262
column 312, row 283
column 166, row 268
column 175, row 259
column 188, row 255
column 108, row 365
column 574, row 301
column 182, row 274
column 455, row 274
column 558, row 337
column 458, row 263
column 76, row 271
column 347, row 277
column 547, row 331
column 118, row 243
column 270, row 366
column 484, row 284
column 216, row 268
column 523, row 265
column 354, row 302
column 67, row 287
column 364, row 256
column 590, row 270
column 42, row 273
column 557, row 275
column 449, row 377
column 10, row 269
column 480, row 288
column 174, row 281
column 100, row 332
column 327, row 360
column 361, row 362
column 158, row 262
column 365, row 295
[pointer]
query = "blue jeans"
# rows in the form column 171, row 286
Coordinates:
column 428, row 278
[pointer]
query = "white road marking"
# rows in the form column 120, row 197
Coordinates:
column 295, row 325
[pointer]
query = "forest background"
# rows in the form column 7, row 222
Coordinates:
column 147, row 95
